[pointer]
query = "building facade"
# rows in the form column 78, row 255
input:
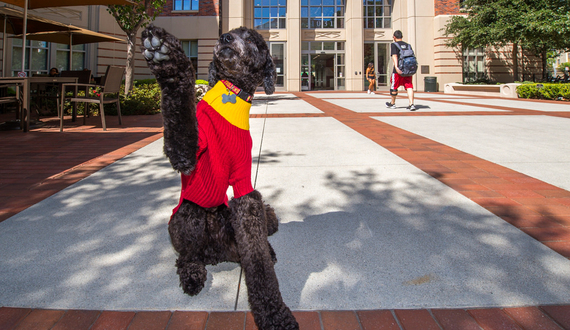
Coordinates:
column 316, row 44
column 322, row 44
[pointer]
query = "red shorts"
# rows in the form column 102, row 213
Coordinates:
column 396, row 81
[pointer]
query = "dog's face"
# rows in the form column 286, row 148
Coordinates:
column 242, row 57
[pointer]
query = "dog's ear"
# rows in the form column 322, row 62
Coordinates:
column 212, row 75
column 270, row 75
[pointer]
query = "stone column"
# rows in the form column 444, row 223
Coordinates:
column 234, row 10
column 354, row 46
column 293, row 46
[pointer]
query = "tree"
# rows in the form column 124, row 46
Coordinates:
column 547, row 30
column 536, row 25
column 131, row 19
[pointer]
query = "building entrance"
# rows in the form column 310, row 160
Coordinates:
column 322, row 66
column 378, row 53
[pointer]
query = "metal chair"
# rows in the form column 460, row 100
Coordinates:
column 6, row 99
column 83, row 77
column 112, row 85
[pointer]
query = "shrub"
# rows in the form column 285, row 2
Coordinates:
column 544, row 91
column 144, row 99
column 561, row 66
column 140, row 82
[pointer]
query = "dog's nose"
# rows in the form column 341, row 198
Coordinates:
column 226, row 38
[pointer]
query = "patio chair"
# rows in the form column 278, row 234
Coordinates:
column 84, row 78
column 6, row 99
column 112, row 85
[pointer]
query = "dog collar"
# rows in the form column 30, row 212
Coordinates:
column 237, row 91
column 236, row 113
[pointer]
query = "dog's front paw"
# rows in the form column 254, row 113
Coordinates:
column 164, row 55
column 154, row 48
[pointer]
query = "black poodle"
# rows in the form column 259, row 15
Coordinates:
column 210, row 144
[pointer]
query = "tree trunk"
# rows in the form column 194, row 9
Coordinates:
column 544, row 56
column 515, row 62
column 130, row 71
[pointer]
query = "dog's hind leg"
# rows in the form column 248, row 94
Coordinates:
column 189, row 239
column 250, row 225
column 175, row 74
column 272, row 221
column 192, row 273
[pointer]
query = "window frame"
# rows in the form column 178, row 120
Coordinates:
column 269, row 14
column 371, row 17
column 474, row 64
column 32, row 47
column 187, row 47
column 316, row 14
column 194, row 5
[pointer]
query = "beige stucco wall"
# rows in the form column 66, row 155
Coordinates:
column 447, row 66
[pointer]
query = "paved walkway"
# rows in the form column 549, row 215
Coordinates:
column 456, row 216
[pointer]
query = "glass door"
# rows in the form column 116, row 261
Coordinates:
column 278, row 53
column 378, row 53
column 322, row 66
column 382, row 64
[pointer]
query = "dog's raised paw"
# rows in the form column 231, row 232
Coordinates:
column 154, row 47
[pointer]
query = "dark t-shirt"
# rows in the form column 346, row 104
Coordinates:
column 395, row 51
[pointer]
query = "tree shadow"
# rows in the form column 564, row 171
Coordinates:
column 409, row 244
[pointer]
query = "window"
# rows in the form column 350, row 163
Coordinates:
column 191, row 50
column 377, row 14
column 322, row 14
column 62, row 57
column 269, row 14
column 473, row 64
column 186, row 4
column 37, row 51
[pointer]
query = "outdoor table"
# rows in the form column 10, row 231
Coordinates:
column 23, row 91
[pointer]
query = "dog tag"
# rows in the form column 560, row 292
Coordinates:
column 229, row 98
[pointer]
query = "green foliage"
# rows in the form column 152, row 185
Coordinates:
column 145, row 81
column 544, row 91
column 563, row 65
column 131, row 18
column 144, row 99
column 538, row 26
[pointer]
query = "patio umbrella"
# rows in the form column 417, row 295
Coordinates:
column 12, row 22
column 74, row 36
column 34, row 4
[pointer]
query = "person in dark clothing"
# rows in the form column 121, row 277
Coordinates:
column 396, row 80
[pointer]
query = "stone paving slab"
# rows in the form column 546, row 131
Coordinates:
column 285, row 105
column 521, row 104
column 534, row 145
column 379, row 105
column 392, row 237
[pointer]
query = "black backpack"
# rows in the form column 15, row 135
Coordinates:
column 407, row 61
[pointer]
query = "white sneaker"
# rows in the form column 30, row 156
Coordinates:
column 368, row 91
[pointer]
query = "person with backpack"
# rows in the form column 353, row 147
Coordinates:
column 405, row 66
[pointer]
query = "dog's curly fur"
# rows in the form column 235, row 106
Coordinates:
column 237, row 232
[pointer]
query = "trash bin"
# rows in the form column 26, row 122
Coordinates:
column 430, row 84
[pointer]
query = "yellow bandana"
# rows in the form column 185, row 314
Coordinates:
column 236, row 114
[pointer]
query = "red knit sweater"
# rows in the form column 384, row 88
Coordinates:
column 223, row 159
